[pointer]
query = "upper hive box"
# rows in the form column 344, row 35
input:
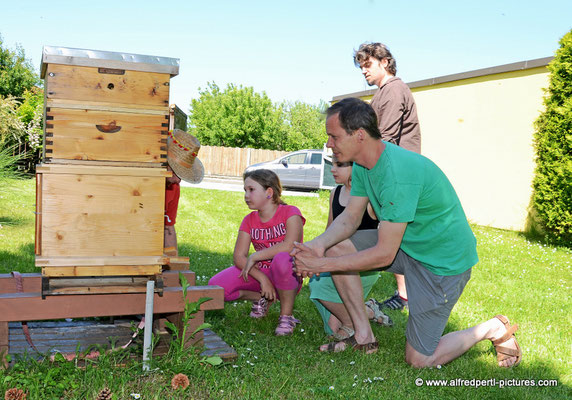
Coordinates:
column 105, row 106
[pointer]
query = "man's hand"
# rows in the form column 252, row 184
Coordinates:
column 308, row 259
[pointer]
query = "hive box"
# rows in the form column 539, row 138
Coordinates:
column 97, row 221
column 105, row 106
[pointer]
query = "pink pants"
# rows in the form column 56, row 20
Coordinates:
column 280, row 274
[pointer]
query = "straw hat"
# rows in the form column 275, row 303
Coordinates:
column 182, row 151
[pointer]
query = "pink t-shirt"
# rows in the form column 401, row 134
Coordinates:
column 266, row 234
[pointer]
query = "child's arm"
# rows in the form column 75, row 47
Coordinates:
column 294, row 233
column 240, row 257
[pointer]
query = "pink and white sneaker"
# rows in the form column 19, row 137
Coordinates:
column 286, row 325
column 259, row 308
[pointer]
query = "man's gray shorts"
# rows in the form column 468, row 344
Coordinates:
column 431, row 297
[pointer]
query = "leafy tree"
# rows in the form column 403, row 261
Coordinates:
column 553, row 139
column 16, row 72
column 21, row 128
column 304, row 126
column 235, row 117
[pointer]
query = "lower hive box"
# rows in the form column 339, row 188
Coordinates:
column 99, row 220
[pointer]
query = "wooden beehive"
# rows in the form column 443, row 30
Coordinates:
column 101, row 186
column 104, row 106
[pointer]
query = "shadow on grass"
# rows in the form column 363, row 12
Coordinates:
column 11, row 221
column 22, row 260
column 535, row 237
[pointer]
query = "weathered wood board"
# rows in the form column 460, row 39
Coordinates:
column 99, row 135
column 82, row 83
column 100, row 215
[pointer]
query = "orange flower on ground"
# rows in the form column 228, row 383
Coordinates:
column 180, row 381
column 14, row 394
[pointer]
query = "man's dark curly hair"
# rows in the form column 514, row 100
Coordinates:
column 379, row 51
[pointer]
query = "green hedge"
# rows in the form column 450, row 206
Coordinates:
column 553, row 139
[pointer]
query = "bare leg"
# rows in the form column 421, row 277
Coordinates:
column 339, row 317
column 287, row 298
column 454, row 344
column 248, row 295
column 351, row 292
column 401, row 289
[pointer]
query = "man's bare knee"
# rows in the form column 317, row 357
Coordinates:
column 416, row 359
column 343, row 248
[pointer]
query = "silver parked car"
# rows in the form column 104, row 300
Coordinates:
column 302, row 169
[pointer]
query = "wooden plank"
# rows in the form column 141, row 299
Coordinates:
column 65, row 336
column 33, row 282
column 99, row 281
column 107, row 163
column 177, row 264
column 38, row 233
column 107, row 107
column 92, row 290
column 4, row 343
column 117, row 261
column 31, row 307
column 214, row 345
column 88, row 135
column 87, row 84
column 92, row 169
column 102, row 215
column 107, row 270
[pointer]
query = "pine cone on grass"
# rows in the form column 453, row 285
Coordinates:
column 14, row 394
column 104, row 394
column 180, row 381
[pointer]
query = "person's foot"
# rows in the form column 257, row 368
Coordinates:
column 286, row 325
column 343, row 333
column 508, row 351
column 259, row 308
column 374, row 313
column 395, row 302
column 336, row 347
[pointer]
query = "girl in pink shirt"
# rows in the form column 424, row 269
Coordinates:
column 265, row 275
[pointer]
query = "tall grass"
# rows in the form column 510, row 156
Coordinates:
column 526, row 280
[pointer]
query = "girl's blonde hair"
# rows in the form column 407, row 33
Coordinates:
column 267, row 179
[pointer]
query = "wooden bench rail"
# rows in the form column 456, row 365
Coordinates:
column 30, row 306
column 33, row 282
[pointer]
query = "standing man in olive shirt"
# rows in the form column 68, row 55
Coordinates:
column 397, row 120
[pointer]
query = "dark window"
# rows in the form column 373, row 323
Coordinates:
column 316, row 158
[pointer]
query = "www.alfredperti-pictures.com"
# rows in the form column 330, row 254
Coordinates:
column 475, row 383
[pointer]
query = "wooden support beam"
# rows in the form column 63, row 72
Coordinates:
column 4, row 343
column 115, row 261
column 33, row 282
column 30, row 306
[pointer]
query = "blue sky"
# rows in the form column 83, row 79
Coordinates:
column 293, row 50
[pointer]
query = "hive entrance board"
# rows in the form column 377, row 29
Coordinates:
column 99, row 285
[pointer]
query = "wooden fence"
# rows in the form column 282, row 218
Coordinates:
column 231, row 161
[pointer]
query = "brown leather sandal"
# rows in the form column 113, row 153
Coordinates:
column 505, row 352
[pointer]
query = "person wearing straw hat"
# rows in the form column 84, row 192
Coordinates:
column 182, row 152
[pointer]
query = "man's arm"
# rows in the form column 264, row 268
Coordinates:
column 344, row 225
column 382, row 254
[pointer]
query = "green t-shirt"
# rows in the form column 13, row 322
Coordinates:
column 406, row 187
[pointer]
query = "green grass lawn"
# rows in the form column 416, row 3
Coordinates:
column 524, row 279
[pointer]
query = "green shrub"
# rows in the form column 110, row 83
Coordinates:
column 553, row 139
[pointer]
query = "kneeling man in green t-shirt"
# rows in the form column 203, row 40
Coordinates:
column 423, row 234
